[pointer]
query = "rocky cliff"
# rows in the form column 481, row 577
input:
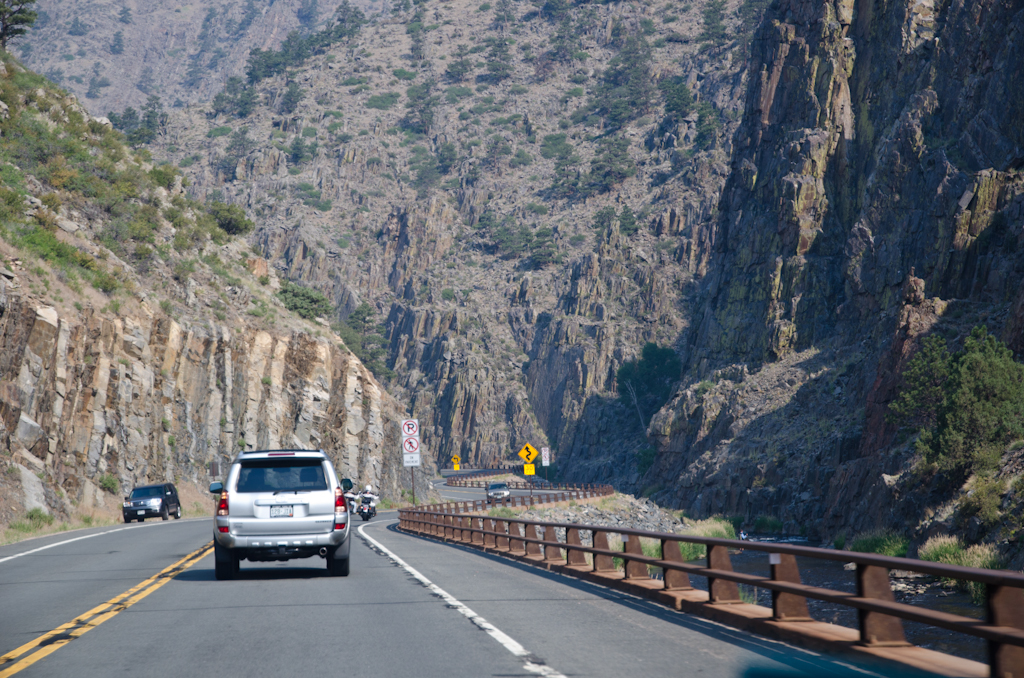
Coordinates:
column 875, row 197
column 140, row 340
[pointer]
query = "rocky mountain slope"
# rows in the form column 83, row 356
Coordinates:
column 138, row 345
column 112, row 55
column 517, row 240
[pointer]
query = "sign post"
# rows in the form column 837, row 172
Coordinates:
column 528, row 454
column 411, row 450
column 545, row 459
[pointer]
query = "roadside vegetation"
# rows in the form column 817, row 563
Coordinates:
column 882, row 542
column 950, row 550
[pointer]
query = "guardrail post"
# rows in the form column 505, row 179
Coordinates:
column 488, row 524
column 572, row 538
column 877, row 628
column 532, row 548
column 634, row 570
column 516, row 545
column 552, row 553
column 1005, row 608
column 602, row 563
column 500, row 541
column 787, row 606
column 721, row 590
column 449, row 530
column 476, row 537
column 675, row 580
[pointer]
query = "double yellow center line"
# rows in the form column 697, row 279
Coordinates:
column 50, row 642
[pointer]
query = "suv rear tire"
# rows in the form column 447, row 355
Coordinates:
column 164, row 514
column 337, row 567
column 225, row 563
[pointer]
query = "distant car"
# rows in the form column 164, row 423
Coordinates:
column 150, row 501
column 279, row 505
column 497, row 491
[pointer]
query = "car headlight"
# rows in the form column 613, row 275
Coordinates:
column 154, row 502
column 126, row 504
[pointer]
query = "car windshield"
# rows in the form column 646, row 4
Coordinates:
column 143, row 492
column 498, row 486
column 281, row 475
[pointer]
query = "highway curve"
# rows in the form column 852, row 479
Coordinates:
column 411, row 607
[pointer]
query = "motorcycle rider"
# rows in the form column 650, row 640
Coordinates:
column 367, row 496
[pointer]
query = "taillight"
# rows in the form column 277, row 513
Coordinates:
column 222, row 505
column 340, row 509
column 223, row 528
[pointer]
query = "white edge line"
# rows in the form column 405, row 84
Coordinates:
column 506, row 641
column 68, row 541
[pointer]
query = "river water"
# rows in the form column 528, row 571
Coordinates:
column 832, row 575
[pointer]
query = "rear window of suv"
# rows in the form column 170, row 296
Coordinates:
column 281, row 475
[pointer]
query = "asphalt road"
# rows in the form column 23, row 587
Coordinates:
column 411, row 607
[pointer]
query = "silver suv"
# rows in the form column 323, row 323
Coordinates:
column 279, row 505
column 497, row 491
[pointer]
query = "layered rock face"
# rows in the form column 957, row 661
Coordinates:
column 876, row 178
column 146, row 399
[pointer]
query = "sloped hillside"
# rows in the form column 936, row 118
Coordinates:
column 519, row 194
column 138, row 341
column 114, row 54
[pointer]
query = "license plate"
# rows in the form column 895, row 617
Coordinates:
column 280, row 511
column 141, row 512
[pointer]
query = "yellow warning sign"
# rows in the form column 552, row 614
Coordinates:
column 529, row 470
column 456, row 467
column 456, row 459
column 528, row 453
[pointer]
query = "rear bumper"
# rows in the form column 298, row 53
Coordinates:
column 274, row 541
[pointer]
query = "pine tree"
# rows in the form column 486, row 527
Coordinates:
column 16, row 17
column 117, row 46
column 125, row 15
column 292, row 96
column 77, row 27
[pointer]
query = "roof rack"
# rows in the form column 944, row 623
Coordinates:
column 286, row 450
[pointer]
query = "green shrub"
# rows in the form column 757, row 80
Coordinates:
column 230, row 218
column 108, row 483
column 448, row 294
column 501, row 512
column 309, row 132
column 403, row 74
column 537, row 208
column 383, row 101
column 716, row 527
column 219, row 132
column 983, row 501
column 883, row 542
column 950, row 550
column 307, row 303
column 38, row 518
column 839, row 541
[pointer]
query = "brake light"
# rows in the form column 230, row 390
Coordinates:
column 222, row 505
column 223, row 528
column 340, row 509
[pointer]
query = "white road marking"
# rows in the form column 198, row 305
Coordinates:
column 508, row 642
column 88, row 536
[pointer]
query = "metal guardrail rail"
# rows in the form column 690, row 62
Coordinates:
column 879, row 615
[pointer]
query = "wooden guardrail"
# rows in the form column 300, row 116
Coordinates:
column 583, row 551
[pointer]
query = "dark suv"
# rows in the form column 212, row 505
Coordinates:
column 150, row 501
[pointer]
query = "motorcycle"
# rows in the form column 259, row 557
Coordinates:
column 366, row 509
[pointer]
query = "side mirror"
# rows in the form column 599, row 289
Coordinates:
column 168, row 494
column 346, row 484
column 216, row 488
column 126, row 498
